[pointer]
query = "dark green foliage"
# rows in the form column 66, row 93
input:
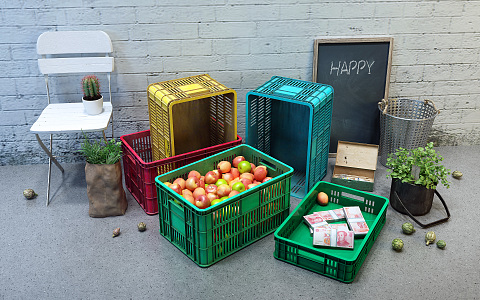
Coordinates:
column 432, row 171
column 101, row 153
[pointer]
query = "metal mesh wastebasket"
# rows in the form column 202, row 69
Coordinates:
column 404, row 123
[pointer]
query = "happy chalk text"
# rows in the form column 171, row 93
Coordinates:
column 353, row 67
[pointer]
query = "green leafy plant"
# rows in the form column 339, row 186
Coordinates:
column 95, row 152
column 432, row 172
column 91, row 87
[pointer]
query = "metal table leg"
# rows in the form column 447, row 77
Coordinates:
column 51, row 159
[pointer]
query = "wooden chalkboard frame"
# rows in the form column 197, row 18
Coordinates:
column 349, row 41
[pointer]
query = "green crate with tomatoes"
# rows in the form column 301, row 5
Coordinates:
column 212, row 224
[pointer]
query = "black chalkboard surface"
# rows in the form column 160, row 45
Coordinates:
column 358, row 69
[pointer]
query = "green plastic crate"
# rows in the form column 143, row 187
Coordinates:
column 293, row 242
column 209, row 235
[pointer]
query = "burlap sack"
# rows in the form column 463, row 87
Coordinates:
column 105, row 190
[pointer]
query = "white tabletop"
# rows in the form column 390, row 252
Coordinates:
column 71, row 117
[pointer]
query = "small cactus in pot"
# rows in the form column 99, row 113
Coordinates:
column 91, row 88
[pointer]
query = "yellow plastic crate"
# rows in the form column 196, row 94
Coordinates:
column 190, row 113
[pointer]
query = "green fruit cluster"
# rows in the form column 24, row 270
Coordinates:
column 407, row 228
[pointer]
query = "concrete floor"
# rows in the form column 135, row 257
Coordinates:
column 59, row 252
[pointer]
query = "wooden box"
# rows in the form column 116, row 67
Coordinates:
column 355, row 165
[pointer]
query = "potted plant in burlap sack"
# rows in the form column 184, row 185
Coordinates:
column 103, row 173
column 415, row 175
column 92, row 99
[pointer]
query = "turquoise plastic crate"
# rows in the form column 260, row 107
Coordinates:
column 294, row 244
column 209, row 235
column 290, row 120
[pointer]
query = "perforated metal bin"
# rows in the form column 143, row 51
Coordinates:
column 290, row 120
column 404, row 123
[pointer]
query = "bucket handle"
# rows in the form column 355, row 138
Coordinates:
column 384, row 102
column 418, row 222
column 426, row 101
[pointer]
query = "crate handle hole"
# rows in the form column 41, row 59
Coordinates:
column 177, row 203
column 268, row 165
column 309, row 256
column 351, row 196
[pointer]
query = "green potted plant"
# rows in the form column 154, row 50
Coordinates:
column 415, row 175
column 92, row 99
column 103, row 173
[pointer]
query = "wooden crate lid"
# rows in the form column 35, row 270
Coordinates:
column 357, row 155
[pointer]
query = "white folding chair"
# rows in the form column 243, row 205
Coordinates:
column 72, row 52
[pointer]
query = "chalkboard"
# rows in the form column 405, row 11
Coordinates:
column 358, row 69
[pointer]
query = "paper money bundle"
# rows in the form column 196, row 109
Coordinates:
column 314, row 221
column 329, row 237
column 332, row 215
column 355, row 220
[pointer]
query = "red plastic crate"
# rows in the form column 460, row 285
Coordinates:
column 140, row 171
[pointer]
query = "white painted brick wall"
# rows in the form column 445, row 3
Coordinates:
column 241, row 43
